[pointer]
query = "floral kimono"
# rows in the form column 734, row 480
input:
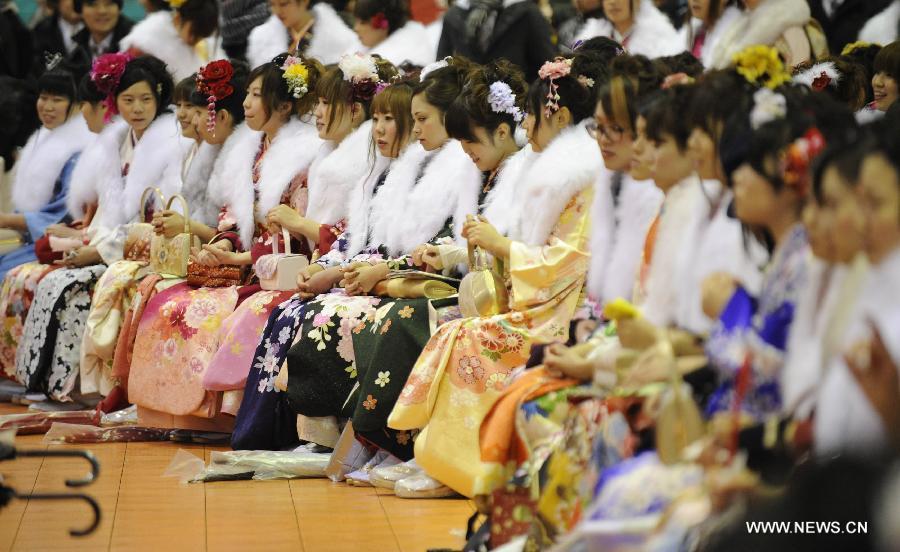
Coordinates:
column 756, row 331
column 49, row 356
column 466, row 363
column 179, row 331
column 322, row 362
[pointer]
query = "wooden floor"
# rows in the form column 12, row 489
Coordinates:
column 142, row 510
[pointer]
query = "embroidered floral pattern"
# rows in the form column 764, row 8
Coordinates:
column 383, row 379
column 370, row 402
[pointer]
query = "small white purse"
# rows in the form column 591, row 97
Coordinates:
column 279, row 271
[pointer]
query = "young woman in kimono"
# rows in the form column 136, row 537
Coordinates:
column 709, row 19
column 270, row 157
column 310, row 27
column 638, row 25
column 45, row 166
column 384, row 28
column 466, row 364
column 119, row 285
column 265, row 421
column 323, row 368
column 147, row 151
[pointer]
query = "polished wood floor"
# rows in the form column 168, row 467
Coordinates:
column 142, row 510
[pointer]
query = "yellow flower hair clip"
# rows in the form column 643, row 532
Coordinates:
column 175, row 4
column 762, row 66
column 620, row 309
column 853, row 46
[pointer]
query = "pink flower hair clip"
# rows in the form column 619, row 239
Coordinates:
column 550, row 71
column 106, row 73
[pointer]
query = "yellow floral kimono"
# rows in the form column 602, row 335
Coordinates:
column 466, row 364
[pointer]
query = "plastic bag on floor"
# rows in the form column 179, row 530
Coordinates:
column 126, row 416
column 259, row 465
column 349, row 455
column 75, row 433
column 35, row 423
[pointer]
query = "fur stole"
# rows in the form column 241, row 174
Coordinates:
column 763, row 25
column 267, row 41
column 196, row 183
column 500, row 204
column 331, row 38
column 362, row 203
column 157, row 161
column 93, row 168
column 713, row 36
column 447, row 188
column 156, row 35
column 42, row 162
column 569, row 165
column 613, row 272
column 333, row 176
column 389, row 204
column 406, row 44
column 652, row 34
column 882, row 29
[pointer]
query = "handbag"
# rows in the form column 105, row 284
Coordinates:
column 279, row 271
column 678, row 422
column 199, row 275
column 169, row 256
column 140, row 234
column 482, row 291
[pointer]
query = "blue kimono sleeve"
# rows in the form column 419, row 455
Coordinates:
column 55, row 210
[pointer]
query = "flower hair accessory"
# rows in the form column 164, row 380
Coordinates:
column 762, row 66
column 431, row 67
column 820, row 76
column 853, row 46
column 176, row 3
column 767, row 107
column 379, row 21
column 798, row 157
column 106, row 73
column 361, row 72
column 550, row 71
column 503, row 100
column 297, row 76
column 213, row 81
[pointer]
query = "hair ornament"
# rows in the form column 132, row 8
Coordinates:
column 585, row 81
column 51, row 61
column 550, row 71
column 853, row 46
column 213, row 80
column 106, row 73
column 503, row 100
column 361, row 71
column 768, row 106
column 761, row 66
column 296, row 74
column 175, row 4
column 379, row 21
column 820, row 76
column 434, row 66
column 798, row 157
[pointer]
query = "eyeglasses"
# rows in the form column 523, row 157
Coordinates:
column 613, row 133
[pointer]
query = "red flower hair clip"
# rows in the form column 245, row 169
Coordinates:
column 213, row 81
column 106, row 73
column 379, row 21
column 798, row 157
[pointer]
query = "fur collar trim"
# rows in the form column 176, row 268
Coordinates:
column 156, row 35
column 713, row 36
column 764, row 25
column 882, row 29
column 405, row 44
column 331, row 37
column 499, row 206
column 92, row 170
column 196, row 183
column 569, row 165
column 362, row 206
column 389, row 204
column 42, row 161
column 652, row 34
column 448, row 188
column 231, row 184
column 267, row 41
column 157, row 161
column 333, row 176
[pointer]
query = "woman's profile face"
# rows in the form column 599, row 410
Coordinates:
column 428, row 124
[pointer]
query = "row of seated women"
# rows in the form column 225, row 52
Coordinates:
column 687, row 201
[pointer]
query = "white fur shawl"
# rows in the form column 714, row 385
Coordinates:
column 713, row 36
column 447, row 189
column 362, row 205
column 882, row 29
column 500, row 204
column 333, row 176
column 616, row 256
column 42, row 161
column 389, row 204
column 96, row 168
column 569, row 165
column 652, row 34
column 331, row 38
column 763, row 25
column 408, row 43
column 195, row 187
column 156, row 35
column 157, row 161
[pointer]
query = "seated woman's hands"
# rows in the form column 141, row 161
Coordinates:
column 217, row 254
column 429, row 256
column 63, row 231
column 482, row 234
column 315, row 280
column 283, row 216
column 168, row 223
column 83, row 256
column 568, row 361
column 361, row 279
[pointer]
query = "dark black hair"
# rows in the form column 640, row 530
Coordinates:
column 664, row 112
column 233, row 104
column 592, row 60
column 846, row 157
column 685, row 62
column 275, row 89
column 441, row 86
column 159, row 5
column 396, row 12
column 832, row 117
column 339, row 92
column 718, row 95
column 769, row 142
column 184, row 89
column 78, row 4
column 888, row 61
column 87, row 92
column 58, row 82
column 885, row 139
column 472, row 108
column 18, row 105
column 864, row 56
column 203, row 15
column 153, row 71
column 574, row 94
column 633, row 77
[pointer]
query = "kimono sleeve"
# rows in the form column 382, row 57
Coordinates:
column 55, row 210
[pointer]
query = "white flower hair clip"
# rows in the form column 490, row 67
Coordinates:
column 768, row 106
column 431, row 67
column 361, row 71
column 819, row 77
column 503, row 100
